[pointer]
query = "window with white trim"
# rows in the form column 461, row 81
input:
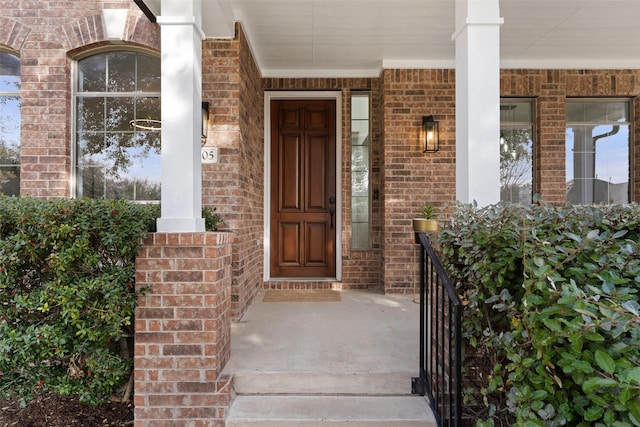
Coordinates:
column 10, row 119
column 516, row 151
column 360, row 171
column 117, row 126
column 597, row 151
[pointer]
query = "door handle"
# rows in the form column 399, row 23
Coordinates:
column 332, row 211
column 332, row 200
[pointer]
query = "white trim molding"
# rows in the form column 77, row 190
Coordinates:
column 274, row 95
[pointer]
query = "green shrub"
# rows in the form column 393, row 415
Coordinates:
column 211, row 218
column 552, row 306
column 67, row 294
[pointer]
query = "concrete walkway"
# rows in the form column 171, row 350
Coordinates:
column 360, row 352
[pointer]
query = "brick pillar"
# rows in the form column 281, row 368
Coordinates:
column 182, row 330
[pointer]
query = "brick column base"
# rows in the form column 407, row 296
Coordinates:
column 182, row 330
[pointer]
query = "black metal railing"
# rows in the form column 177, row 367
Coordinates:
column 440, row 377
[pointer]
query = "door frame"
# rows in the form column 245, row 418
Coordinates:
column 275, row 95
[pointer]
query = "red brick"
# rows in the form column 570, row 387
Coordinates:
column 182, row 350
column 173, row 375
column 167, row 400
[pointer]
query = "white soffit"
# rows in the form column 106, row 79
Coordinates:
column 358, row 38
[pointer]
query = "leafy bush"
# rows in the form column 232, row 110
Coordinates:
column 552, row 310
column 67, row 294
column 211, row 218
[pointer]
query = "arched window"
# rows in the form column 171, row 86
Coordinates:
column 117, row 126
column 9, row 124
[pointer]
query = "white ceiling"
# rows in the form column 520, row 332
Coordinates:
column 346, row 38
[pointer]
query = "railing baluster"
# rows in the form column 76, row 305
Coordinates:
column 440, row 377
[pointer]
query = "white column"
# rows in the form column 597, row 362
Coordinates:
column 477, row 40
column 181, row 36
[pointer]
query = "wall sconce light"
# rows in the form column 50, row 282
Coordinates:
column 430, row 133
column 205, row 122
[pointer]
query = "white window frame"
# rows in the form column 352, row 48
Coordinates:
column 73, row 181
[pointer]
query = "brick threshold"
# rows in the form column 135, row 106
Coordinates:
column 290, row 283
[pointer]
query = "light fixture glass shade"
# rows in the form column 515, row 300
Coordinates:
column 205, row 121
column 430, row 134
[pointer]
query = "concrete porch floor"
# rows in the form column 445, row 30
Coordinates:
column 309, row 363
column 365, row 332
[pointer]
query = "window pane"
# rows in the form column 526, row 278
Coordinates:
column 597, row 164
column 360, row 108
column 10, row 145
column 118, row 159
column 360, row 158
column 148, row 108
column 516, row 151
column 595, row 112
column 516, row 165
column 360, row 184
column 91, row 182
column 360, row 236
column 119, row 114
column 148, row 73
column 10, row 180
column 90, row 114
column 121, row 72
column 10, row 130
column 515, row 111
column 10, row 118
column 9, row 72
column 575, row 111
column 360, row 209
column 617, row 112
column 92, row 74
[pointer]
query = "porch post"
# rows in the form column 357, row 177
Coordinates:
column 477, row 39
column 181, row 86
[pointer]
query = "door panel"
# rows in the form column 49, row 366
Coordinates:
column 290, row 166
column 316, row 254
column 315, row 161
column 289, row 247
column 303, row 189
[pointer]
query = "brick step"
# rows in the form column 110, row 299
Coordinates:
column 320, row 411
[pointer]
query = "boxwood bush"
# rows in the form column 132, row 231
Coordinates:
column 552, row 319
column 67, row 294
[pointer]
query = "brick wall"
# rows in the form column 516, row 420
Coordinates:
column 410, row 176
column 235, row 185
column 183, row 328
column 360, row 269
column 47, row 39
column 551, row 88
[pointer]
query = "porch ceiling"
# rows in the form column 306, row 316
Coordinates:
column 345, row 38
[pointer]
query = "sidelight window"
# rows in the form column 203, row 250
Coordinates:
column 360, row 171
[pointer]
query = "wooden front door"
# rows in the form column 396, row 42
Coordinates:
column 303, row 188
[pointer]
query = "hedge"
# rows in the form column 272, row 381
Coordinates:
column 67, row 294
column 551, row 300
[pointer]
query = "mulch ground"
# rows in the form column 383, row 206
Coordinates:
column 56, row 411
